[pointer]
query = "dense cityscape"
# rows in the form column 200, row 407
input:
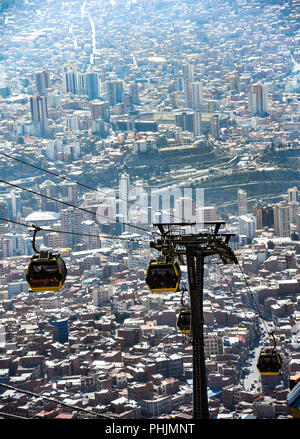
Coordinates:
column 119, row 114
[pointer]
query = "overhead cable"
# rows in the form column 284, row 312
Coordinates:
column 74, row 233
column 36, row 395
column 64, row 177
column 72, row 205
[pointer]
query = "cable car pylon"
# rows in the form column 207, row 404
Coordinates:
column 191, row 249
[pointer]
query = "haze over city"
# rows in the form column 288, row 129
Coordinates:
column 117, row 116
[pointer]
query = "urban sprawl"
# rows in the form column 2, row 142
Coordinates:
column 101, row 103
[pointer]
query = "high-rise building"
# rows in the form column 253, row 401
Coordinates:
column 91, row 85
column 53, row 240
column 264, row 215
column 100, row 110
column 298, row 223
column 188, row 93
column 281, row 219
column 49, row 189
column 242, row 202
column 234, row 82
column 214, row 126
column 42, row 81
column 188, row 79
column 174, row 99
column 247, row 225
column 102, row 295
column 72, row 79
column 185, row 120
column 100, row 128
column 206, row 213
column 134, row 93
column 81, row 84
column 4, row 215
column 124, row 187
column 71, row 221
column 292, row 194
column 183, row 209
column 39, row 115
column 258, row 99
column 138, row 213
column 114, row 91
column 197, row 123
column 257, row 212
column 6, row 247
column 60, row 331
column 14, row 204
column 78, row 218
column 66, row 220
column 294, row 209
column 196, row 95
column 188, row 71
column 90, row 230
column 180, row 82
column 69, row 191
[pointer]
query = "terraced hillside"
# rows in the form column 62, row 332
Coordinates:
column 158, row 161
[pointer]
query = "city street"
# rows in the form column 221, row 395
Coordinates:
column 252, row 379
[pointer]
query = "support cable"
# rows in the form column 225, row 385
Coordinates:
column 63, row 177
column 254, row 300
column 72, row 205
column 36, row 395
column 232, row 367
column 10, row 415
column 233, row 293
column 117, row 238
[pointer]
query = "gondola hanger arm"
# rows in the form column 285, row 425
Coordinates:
column 35, row 230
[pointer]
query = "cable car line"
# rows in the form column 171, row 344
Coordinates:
column 36, row 395
column 208, row 327
column 46, row 271
column 233, row 292
column 74, row 233
column 249, row 289
column 254, row 301
column 10, row 415
column 185, row 328
column 227, row 359
column 194, row 247
column 269, row 361
column 117, row 197
column 154, row 288
column 230, row 364
column 270, row 367
column 72, row 205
